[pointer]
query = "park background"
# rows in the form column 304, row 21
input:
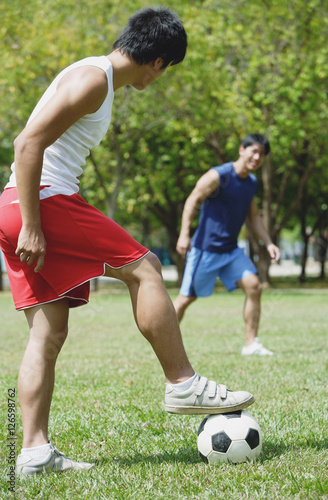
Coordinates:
column 251, row 66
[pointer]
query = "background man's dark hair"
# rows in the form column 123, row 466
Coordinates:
column 152, row 33
column 256, row 138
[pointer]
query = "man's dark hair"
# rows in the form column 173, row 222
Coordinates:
column 256, row 138
column 152, row 33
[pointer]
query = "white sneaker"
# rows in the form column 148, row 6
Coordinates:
column 205, row 397
column 256, row 348
column 55, row 461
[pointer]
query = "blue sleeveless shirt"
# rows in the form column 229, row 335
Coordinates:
column 224, row 212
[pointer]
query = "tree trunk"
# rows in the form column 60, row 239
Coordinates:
column 267, row 181
column 260, row 256
column 322, row 271
column 175, row 256
column 180, row 263
column 322, row 246
column 259, row 253
column 304, row 257
column 305, row 235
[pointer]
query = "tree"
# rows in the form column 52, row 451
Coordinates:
column 251, row 66
column 260, row 69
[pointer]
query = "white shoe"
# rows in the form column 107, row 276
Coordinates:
column 256, row 348
column 55, row 461
column 205, row 397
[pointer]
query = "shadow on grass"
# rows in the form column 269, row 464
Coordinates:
column 185, row 455
column 271, row 450
column 276, row 449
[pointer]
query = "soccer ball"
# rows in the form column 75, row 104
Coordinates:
column 229, row 437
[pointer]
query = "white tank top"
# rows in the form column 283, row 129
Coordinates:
column 63, row 160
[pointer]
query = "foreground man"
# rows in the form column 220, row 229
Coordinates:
column 54, row 242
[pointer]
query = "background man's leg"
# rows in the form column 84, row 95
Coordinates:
column 252, row 308
column 181, row 303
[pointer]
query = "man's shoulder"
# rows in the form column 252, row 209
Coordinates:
column 99, row 61
column 224, row 168
column 95, row 65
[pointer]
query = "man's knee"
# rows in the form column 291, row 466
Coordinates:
column 154, row 262
column 50, row 338
column 149, row 267
column 55, row 343
column 251, row 286
column 182, row 302
column 255, row 288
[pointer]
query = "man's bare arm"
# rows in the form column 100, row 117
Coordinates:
column 256, row 221
column 80, row 92
column 205, row 186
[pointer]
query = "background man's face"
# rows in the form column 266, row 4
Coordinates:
column 252, row 156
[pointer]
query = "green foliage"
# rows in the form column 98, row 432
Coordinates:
column 250, row 66
column 39, row 39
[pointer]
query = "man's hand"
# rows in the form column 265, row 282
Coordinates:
column 274, row 252
column 183, row 245
column 31, row 247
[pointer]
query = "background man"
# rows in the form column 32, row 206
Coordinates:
column 227, row 195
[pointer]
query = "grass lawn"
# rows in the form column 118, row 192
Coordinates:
column 108, row 401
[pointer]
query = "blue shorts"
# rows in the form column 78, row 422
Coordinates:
column 203, row 268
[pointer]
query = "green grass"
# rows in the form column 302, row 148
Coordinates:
column 108, row 401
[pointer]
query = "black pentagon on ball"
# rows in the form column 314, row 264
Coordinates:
column 221, row 442
column 252, row 438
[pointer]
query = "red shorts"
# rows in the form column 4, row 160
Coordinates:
column 80, row 242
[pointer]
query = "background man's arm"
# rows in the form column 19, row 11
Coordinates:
column 205, row 186
column 258, row 226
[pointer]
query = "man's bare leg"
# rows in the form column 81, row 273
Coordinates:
column 158, row 322
column 181, row 303
column 155, row 315
column 48, row 331
column 252, row 308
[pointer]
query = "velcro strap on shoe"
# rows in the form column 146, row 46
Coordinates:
column 201, row 386
column 211, row 387
column 223, row 391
